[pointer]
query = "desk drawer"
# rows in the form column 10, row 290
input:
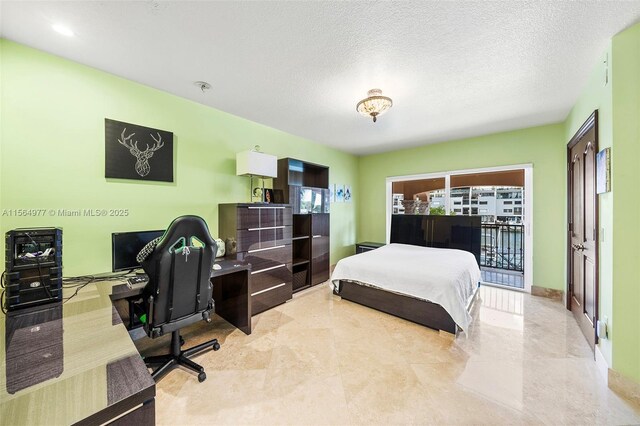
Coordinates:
column 267, row 278
column 255, row 239
column 275, row 216
column 263, row 217
column 270, row 297
column 266, row 258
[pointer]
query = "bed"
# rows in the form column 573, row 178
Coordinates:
column 428, row 273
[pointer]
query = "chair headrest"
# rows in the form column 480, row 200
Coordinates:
column 187, row 229
column 184, row 231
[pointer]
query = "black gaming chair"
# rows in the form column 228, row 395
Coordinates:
column 179, row 292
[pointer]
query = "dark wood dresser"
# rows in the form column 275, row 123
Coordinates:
column 263, row 238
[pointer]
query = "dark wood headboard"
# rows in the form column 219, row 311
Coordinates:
column 455, row 232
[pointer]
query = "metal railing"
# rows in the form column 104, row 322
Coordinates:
column 502, row 246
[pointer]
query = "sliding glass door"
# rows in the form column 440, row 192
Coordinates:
column 498, row 195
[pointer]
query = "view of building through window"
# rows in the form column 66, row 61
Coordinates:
column 496, row 204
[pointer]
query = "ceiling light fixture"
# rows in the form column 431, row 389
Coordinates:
column 374, row 105
column 66, row 31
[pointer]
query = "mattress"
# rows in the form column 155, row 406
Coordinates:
column 447, row 277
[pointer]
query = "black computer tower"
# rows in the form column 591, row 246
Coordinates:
column 33, row 267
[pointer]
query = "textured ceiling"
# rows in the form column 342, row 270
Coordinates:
column 453, row 69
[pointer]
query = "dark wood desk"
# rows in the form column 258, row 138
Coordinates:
column 72, row 363
column 231, row 292
column 97, row 375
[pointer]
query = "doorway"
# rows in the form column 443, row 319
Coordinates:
column 582, row 228
column 502, row 196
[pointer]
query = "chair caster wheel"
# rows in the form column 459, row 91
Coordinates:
column 202, row 377
column 181, row 341
column 216, row 346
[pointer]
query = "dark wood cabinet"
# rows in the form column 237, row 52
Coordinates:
column 367, row 246
column 305, row 186
column 295, row 174
column 320, row 246
column 263, row 233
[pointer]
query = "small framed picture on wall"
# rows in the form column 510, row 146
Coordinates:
column 347, row 193
column 603, row 171
column 339, row 193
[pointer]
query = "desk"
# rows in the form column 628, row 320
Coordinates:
column 231, row 292
column 72, row 363
column 75, row 363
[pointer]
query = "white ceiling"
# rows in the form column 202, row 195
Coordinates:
column 453, row 69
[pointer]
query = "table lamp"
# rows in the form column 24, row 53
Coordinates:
column 254, row 163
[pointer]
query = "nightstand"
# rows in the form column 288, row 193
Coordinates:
column 367, row 246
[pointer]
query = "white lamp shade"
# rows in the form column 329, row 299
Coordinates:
column 252, row 163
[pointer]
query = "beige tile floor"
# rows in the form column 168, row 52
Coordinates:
column 319, row 360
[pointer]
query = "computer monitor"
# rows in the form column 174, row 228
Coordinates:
column 126, row 246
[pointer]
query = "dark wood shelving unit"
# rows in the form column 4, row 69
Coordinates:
column 305, row 186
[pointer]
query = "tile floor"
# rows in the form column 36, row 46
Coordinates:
column 319, row 360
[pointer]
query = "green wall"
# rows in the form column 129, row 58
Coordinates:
column 543, row 146
column 597, row 95
column 625, row 169
column 52, row 131
column 618, row 105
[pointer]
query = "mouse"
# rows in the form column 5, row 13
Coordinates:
column 217, row 267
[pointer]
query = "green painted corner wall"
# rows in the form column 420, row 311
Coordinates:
column 618, row 105
column 596, row 95
column 52, row 131
column 544, row 147
column 625, row 169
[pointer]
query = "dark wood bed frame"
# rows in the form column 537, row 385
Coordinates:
column 459, row 232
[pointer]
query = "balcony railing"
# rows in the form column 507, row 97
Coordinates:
column 502, row 246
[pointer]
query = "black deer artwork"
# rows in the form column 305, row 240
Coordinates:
column 138, row 152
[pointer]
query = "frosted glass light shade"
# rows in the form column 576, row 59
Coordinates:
column 253, row 163
column 374, row 105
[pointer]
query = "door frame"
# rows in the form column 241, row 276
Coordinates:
column 591, row 122
column 528, row 206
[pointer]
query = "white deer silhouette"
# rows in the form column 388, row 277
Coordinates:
column 142, row 157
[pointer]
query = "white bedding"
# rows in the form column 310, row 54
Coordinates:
column 447, row 277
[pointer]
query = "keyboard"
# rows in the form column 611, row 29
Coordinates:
column 138, row 281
